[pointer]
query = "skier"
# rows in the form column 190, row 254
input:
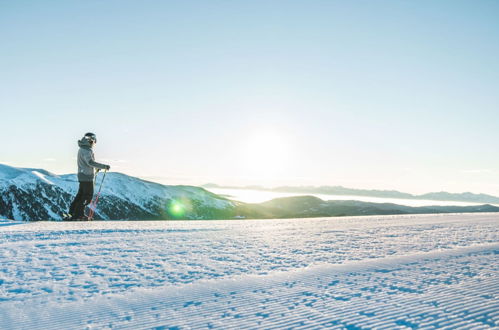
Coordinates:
column 86, row 175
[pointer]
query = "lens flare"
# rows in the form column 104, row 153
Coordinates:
column 176, row 209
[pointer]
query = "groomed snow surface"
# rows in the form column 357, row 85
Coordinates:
column 419, row 271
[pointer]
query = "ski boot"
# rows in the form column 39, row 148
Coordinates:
column 67, row 217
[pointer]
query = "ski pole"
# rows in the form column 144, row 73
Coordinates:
column 93, row 205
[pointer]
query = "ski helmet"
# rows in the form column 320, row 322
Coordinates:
column 91, row 136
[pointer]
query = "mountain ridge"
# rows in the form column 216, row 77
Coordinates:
column 35, row 194
column 342, row 191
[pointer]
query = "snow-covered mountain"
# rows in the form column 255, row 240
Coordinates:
column 36, row 194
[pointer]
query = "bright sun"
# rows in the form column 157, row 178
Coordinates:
column 265, row 154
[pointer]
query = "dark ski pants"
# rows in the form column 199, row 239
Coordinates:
column 82, row 199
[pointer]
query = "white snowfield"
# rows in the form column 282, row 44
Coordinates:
column 386, row 272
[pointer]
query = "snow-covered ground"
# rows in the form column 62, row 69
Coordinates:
column 418, row 271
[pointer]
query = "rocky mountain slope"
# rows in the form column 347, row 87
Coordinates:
column 36, row 194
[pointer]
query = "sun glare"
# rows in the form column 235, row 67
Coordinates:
column 265, row 154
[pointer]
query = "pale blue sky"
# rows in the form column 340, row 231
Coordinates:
column 369, row 94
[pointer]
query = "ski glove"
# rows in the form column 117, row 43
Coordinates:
column 108, row 167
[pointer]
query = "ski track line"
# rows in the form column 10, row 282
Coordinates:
column 382, row 293
column 91, row 255
column 191, row 256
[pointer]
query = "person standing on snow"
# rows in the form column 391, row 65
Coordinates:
column 86, row 175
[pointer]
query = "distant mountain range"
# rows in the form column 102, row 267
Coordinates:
column 310, row 206
column 35, row 194
column 342, row 191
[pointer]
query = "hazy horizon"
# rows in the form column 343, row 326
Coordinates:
column 262, row 188
column 388, row 95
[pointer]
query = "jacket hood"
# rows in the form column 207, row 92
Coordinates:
column 84, row 143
